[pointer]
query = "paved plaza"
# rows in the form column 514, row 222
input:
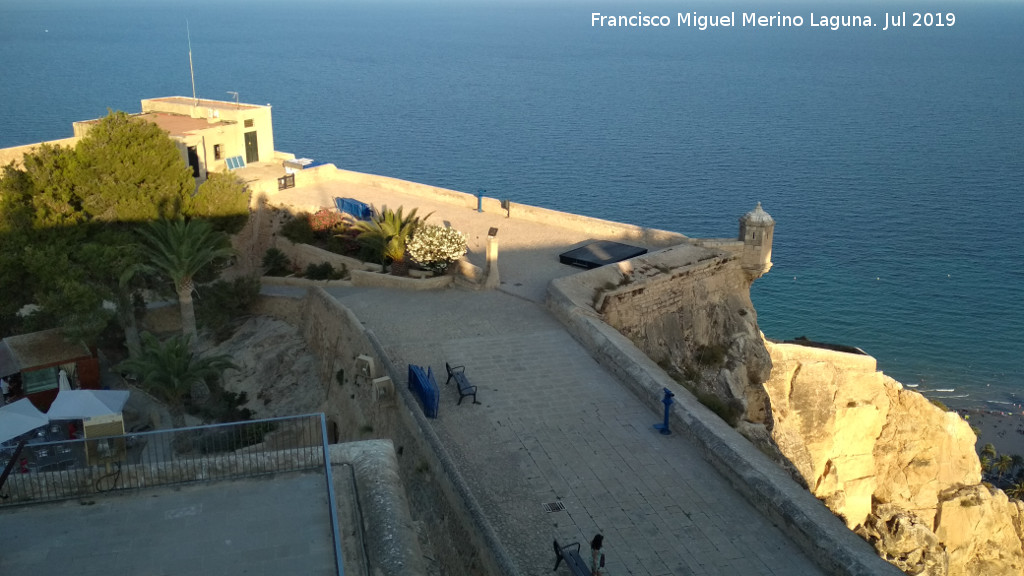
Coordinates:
column 554, row 427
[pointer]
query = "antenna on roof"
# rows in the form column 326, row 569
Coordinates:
column 191, row 71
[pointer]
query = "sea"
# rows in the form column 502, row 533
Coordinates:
column 891, row 159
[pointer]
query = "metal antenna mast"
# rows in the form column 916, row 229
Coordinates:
column 191, row 71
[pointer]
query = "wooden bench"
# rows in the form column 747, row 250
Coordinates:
column 459, row 374
column 571, row 554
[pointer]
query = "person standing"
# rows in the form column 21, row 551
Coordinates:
column 5, row 387
column 596, row 556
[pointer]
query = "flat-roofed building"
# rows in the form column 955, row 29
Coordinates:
column 212, row 135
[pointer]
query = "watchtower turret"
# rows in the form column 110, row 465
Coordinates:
column 756, row 230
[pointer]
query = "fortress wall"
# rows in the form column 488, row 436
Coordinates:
column 16, row 154
column 638, row 309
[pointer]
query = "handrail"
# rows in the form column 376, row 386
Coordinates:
column 63, row 469
column 10, row 466
column 331, row 505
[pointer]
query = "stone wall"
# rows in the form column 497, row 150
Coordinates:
column 363, row 405
column 16, row 153
column 688, row 308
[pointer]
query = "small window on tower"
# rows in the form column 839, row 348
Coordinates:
column 248, row 123
column 216, row 152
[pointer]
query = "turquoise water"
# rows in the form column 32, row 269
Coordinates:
column 891, row 161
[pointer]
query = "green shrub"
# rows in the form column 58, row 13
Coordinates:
column 299, row 229
column 276, row 263
column 324, row 271
column 220, row 304
column 728, row 410
column 710, row 355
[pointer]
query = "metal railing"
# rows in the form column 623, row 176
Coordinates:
column 59, row 470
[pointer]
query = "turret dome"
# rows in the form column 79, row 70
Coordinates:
column 757, row 216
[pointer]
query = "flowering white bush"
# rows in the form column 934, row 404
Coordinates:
column 436, row 247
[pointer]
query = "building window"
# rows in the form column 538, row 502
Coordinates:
column 216, row 152
column 39, row 380
column 248, row 123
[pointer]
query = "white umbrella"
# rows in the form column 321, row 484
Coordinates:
column 18, row 418
column 63, row 380
column 84, row 404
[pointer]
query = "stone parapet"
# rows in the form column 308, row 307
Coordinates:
column 16, row 154
column 392, row 547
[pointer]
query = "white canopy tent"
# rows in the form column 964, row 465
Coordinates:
column 86, row 404
column 18, row 418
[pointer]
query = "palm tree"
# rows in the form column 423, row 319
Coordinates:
column 170, row 370
column 1003, row 464
column 986, row 465
column 1018, row 463
column 125, row 300
column 387, row 232
column 180, row 249
column 1016, row 491
column 989, row 450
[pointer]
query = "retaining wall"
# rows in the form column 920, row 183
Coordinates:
column 363, row 405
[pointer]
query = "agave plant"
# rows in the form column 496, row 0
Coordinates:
column 387, row 233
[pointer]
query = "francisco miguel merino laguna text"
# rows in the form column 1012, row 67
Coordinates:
column 777, row 20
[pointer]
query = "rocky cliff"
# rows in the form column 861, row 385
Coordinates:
column 900, row 471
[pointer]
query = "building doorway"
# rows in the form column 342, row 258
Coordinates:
column 193, row 161
column 252, row 153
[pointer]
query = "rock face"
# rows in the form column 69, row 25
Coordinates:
column 899, row 470
column 904, row 540
column 922, row 451
column 981, row 530
column 826, row 416
column 276, row 370
column 855, row 434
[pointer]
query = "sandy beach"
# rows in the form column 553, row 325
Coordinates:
column 1004, row 430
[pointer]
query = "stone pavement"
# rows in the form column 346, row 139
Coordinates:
column 553, row 426
column 269, row 525
column 528, row 250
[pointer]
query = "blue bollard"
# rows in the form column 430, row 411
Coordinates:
column 667, row 400
column 480, row 200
